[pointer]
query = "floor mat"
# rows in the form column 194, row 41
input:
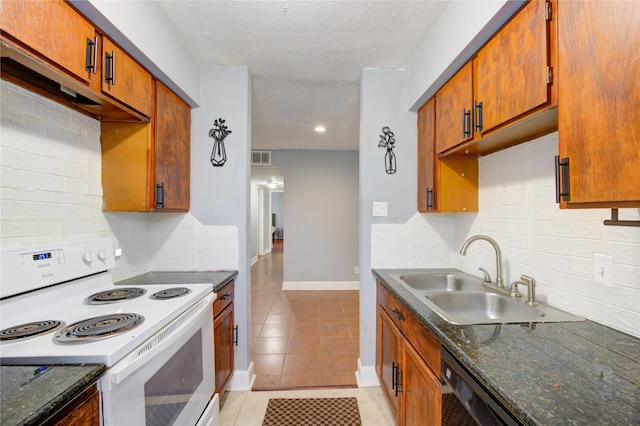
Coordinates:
column 312, row 412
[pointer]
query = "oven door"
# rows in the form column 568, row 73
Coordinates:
column 169, row 380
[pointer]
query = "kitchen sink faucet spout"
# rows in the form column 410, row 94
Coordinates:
column 499, row 278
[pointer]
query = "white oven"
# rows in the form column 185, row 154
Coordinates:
column 59, row 306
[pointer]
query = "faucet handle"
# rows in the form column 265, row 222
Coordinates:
column 487, row 277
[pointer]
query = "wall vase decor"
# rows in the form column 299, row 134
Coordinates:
column 388, row 140
column 218, row 133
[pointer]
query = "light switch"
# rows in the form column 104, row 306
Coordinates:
column 602, row 268
column 380, row 208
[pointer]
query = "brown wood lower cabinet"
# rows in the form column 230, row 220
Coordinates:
column 407, row 363
column 223, row 337
column 84, row 410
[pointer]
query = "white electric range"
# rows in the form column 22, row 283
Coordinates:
column 59, row 306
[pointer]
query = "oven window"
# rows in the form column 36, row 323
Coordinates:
column 168, row 391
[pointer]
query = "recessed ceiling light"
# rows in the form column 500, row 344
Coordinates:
column 320, row 129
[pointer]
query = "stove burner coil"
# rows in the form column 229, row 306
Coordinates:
column 99, row 327
column 117, row 295
column 170, row 293
column 31, row 329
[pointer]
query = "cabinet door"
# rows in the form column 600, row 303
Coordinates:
column 223, row 348
column 426, row 157
column 54, row 30
column 599, row 101
column 126, row 80
column 388, row 359
column 457, row 185
column 454, row 115
column 172, row 149
column 511, row 69
column 422, row 391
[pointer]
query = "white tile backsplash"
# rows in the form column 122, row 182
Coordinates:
column 537, row 238
column 51, row 190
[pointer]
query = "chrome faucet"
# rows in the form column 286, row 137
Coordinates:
column 487, row 278
column 531, row 289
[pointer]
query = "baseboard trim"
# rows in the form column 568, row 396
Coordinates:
column 242, row 380
column 254, row 260
column 366, row 376
column 321, row 285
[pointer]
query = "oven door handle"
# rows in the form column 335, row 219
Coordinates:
column 160, row 340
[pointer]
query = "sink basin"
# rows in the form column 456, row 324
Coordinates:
column 438, row 282
column 481, row 308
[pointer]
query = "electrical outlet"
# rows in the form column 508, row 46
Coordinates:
column 357, row 270
column 602, row 268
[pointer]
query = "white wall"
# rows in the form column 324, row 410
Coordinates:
column 321, row 210
column 50, row 181
column 383, row 102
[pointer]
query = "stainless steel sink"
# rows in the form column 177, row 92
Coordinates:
column 466, row 308
column 437, row 282
column 461, row 299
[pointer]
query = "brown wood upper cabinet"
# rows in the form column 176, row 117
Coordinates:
column 512, row 74
column 506, row 94
column 56, row 31
column 444, row 184
column 146, row 166
column 599, row 103
column 454, row 110
column 126, row 80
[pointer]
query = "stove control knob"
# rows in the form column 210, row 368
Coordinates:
column 102, row 255
column 87, row 258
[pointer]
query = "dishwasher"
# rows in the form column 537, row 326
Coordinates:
column 472, row 403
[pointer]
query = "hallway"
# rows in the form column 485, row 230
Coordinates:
column 301, row 339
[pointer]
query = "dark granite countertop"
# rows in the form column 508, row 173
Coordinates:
column 581, row 373
column 217, row 278
column 30, row 394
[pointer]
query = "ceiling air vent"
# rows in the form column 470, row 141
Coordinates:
column 260, row 158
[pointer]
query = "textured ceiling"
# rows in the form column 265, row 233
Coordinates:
column 305, row 58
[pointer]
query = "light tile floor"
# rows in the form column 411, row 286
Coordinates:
column 248, row 408
column 301, row 338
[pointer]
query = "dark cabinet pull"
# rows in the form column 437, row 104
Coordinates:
column 235, row 336
column 159, row 195
column 225, row 297
column 562, row 179
column 398, row 315
column 466, row 123
column 477, row 107
column 110, row 68
column 429, row 199
column 394, row 375
column 398, row 381
column 91, row 58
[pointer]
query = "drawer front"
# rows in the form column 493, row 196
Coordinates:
column 224, row 299
column 425, row 343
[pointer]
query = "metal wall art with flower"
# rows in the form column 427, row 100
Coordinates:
column 218, row 133
column 388, row 140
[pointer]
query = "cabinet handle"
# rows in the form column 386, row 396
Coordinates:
column 110, row 68
column 562, row 179
column 398, row 315
column 429, row 199
column 466, row 123
column 159, row 195
column 398, row 381
column 91, row 58
column 393, row 375
column 225, row 297
column 477, row 107
column 235, row 335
